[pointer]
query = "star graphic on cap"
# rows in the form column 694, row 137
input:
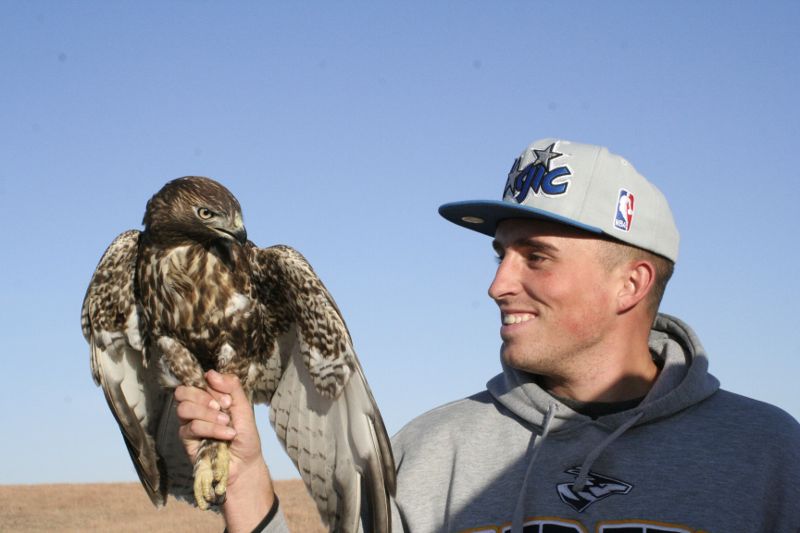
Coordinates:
column 544, row 156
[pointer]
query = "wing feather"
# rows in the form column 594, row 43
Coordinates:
column 323, row 410
column 111, row 320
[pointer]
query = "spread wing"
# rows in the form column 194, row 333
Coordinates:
column 323, row 410
column 111, row 322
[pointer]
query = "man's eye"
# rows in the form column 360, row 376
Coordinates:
column 536, row 258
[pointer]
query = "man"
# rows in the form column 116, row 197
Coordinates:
column 604, row 418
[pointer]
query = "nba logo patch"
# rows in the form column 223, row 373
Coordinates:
column 624, row 215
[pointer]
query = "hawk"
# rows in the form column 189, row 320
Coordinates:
column 190, row 293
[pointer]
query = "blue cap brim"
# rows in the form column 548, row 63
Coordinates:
column 484, row 215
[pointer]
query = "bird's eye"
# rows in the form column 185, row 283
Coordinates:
column 204, row 213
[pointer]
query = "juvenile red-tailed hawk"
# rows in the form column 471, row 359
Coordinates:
column 191, row 293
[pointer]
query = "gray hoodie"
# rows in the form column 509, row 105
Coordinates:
column 690, row 458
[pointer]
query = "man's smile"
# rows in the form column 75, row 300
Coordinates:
column 516, row 318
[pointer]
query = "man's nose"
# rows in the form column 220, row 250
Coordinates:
column 505, row 279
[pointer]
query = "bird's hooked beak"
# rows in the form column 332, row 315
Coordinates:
column 240, row 234
column 233, row 229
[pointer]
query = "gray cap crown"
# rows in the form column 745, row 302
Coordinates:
column 580, row 185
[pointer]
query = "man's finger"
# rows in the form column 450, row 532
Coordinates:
column 184, row 393
column 227, row 384
column 200, row 429
column 188, row 411
column 210, row 397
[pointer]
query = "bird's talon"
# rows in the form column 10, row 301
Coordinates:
column 211, row 474
column 221, row 463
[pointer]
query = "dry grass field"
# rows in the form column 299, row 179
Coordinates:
column 124, row 507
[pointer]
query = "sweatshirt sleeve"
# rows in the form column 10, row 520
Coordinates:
column 273, row 522
column 276, row 525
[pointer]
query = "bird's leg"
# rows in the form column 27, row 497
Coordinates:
column 211, row 473
column 212, row 459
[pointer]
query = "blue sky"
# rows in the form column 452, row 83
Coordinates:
column 341, row 127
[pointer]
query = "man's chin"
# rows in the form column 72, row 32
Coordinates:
column 522, row 360
column 513, row 358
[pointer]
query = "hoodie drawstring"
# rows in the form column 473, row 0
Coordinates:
column 580, row 482
column 583, row 475
column 536, row 445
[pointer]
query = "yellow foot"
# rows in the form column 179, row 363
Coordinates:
column 211, row 474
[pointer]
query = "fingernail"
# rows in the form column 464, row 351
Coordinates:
column 214, row 404
column 225, row 401
column 223, row 419
column 212, row 374
column 230, row 432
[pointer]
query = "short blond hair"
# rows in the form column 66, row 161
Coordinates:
column 616, row 252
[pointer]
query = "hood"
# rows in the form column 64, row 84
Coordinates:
column 684, row 381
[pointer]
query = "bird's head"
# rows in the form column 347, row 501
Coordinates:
column 194, row 208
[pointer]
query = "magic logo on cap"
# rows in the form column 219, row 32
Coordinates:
column 537, row 176
column 624, row 214
column 580, row 185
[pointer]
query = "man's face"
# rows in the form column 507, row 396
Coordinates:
column 555, row 294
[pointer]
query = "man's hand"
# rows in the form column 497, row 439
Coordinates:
column 223, row 412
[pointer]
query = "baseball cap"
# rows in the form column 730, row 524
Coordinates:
column 580, row 185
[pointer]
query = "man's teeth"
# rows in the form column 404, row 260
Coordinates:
column 516, row 319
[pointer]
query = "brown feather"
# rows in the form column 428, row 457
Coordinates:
column 188, row 294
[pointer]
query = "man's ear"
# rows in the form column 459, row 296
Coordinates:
column 637, row 281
